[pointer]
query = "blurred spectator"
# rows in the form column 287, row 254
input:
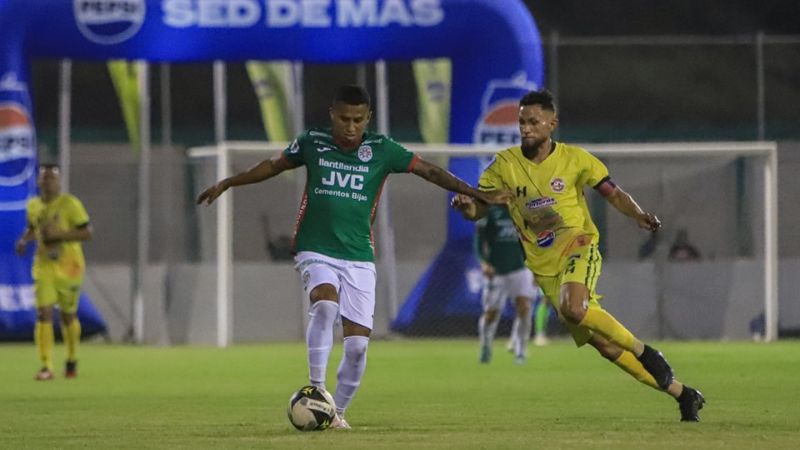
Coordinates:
column 682, row 249
column 648, row 247
column 279, row 248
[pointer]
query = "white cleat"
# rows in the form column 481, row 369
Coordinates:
column 511, row 344
column 338, row 422
column 541, row 340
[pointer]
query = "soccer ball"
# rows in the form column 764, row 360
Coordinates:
column 311, row 409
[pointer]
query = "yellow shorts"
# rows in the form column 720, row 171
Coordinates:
column 65, row 292
column 581, row 266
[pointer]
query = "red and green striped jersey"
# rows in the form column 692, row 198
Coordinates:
column 342, row 191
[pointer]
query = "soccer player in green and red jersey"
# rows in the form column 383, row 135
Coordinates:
column 346, row 167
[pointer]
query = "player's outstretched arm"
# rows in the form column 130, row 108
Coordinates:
column 264, row 170
column 447, row 180
column 625, row 204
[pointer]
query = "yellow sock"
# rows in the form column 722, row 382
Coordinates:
column 43, row 335
column 628, row 362
column 604, row 323
column 72, row 337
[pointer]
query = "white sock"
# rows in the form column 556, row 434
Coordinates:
column 319, row 339
column 351, row 369
column 486, row 331
column 522, row 334
column 513, row 336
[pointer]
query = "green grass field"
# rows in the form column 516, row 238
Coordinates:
column 416, row 394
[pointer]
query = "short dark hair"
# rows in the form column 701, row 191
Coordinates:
column 541, row 97
column 49, row 166
column 352, row 94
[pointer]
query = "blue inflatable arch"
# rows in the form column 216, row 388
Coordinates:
column 493, row 45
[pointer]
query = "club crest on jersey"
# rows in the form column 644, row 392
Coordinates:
column 365, row 153
column 557, row 184
column 499, row 120
column 109, row 21
column 540, row 203
column 545, row 238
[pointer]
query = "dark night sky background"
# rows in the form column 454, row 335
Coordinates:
column 632, row 17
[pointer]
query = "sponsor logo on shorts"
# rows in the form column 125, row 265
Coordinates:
column 557, row 184
column 306, row 277
column 109, row 21
column 365, row 153
column 545, row 238
column 542, row 202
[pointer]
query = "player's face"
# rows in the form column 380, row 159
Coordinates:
column 349, row 123
column 49, row 181
column 536, row 125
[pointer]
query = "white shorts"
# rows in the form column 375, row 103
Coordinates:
column 354, row 282
column 499, row 288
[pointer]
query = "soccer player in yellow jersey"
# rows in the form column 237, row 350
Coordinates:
column 561, row 241
column 58, row 222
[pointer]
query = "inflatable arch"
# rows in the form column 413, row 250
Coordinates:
column 493, row 46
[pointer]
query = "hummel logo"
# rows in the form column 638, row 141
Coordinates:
column 324, row 149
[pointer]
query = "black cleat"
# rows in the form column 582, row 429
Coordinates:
column 71, row 370
column 655, row 363
column 690, row 402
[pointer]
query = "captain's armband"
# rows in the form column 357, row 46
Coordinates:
column 605, row 187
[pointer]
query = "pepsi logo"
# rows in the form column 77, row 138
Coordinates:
column 499, row 120
column 500, row 124
column 17, row 148
column 437, row 91
column 109, row 21
column 545, row 238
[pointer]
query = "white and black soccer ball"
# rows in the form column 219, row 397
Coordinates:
column 311, row 409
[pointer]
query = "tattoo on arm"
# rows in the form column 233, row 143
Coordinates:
column 441, row 177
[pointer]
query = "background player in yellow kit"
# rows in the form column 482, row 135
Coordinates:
column 561, row 240
column 58, row 222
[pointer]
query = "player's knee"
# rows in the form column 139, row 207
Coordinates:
column 44, row 314
column 324, row 291
column 67, row 318
column 490, row 315
column 355, row 347
column 523, row 308
column 572, row 311
column 573, row 304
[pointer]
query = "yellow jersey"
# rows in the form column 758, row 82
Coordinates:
column 549, row 208
column 61, row 260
